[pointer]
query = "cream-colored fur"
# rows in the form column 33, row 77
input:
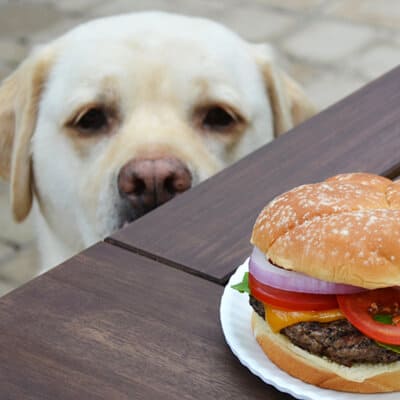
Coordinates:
column 156, row 71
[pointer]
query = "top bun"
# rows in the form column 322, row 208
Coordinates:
column 344, row 230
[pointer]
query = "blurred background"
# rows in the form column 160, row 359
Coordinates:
column 331, row 47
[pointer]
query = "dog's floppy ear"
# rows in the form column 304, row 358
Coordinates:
column 290, row 105
column 19, row 101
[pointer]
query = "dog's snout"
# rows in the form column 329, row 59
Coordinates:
column 148, row 183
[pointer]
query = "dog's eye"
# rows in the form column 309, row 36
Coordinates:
column 217, row 118
column 93, row 120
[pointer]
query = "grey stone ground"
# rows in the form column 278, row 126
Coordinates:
column 332, row 47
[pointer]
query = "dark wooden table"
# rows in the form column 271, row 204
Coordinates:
column 136, row 317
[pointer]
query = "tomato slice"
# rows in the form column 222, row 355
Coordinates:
column 291, row 300
column 355, row 308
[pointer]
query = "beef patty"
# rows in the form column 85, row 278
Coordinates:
column 339, row 341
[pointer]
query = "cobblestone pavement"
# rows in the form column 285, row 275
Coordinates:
column 332, row 47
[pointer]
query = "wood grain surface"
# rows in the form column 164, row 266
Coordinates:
column 109, row 324
column 206, row 230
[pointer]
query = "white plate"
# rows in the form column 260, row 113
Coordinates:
column 235, row 314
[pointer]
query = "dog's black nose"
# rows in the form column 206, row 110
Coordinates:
column 148, row 183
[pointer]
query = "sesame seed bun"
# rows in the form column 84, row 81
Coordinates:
column 343, row 230
column 362, row 378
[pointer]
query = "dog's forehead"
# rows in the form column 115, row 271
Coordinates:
column 111, row 44
column 155, row 29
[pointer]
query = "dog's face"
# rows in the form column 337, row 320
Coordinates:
column 121, row 114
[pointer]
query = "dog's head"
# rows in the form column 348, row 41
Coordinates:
column 121, row 114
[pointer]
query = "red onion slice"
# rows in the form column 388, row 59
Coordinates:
column 281, row 278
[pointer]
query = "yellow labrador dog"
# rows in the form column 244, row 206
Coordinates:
column 121, row 114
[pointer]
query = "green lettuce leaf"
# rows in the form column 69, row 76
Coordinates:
column 383, row 318
column 391, row 347
column 243, row 287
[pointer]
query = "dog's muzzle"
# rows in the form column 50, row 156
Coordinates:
column 147, row 183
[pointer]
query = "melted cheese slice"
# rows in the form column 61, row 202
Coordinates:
column 279, row 319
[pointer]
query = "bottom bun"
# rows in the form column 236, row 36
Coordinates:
column 319, row 371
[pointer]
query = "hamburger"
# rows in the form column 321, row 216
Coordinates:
column 324, row 281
